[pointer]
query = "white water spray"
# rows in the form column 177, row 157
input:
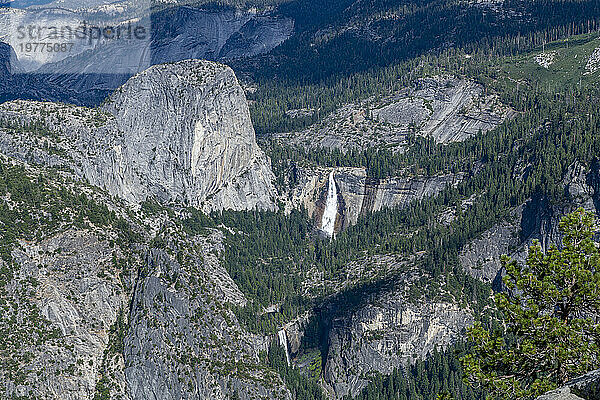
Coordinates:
column 283, row 341
column 330, row 212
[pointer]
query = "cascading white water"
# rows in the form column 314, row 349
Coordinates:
column 283, row 341
column 330, row 212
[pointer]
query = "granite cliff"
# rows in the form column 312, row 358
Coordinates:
column 359, row 194
column 184, row 341
column 537, row 219
column 96, row 306
column 87, row 75
column 387, row 331
column 178, row 133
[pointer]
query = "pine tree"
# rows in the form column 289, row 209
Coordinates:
column 550, row 317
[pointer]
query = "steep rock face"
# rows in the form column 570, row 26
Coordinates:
column 481, row 257
column 387, row 332
column 87, row 75
column 294, row 332
column 187, row 32
column 184, row 342
column 537, row 219
column 359, row 194
column 65, row 271
column 189, row 137
column 92, row 307
column 178, row 132
column 6, row 56
column 80, row 297
column 9, row 64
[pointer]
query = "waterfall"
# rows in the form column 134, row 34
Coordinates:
column 330, row 212
column 283, row 342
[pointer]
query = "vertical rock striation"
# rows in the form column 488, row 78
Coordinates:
column 387, row 331
column 188, row 138
column 359, row 194
column 177, row 132
column 184, row 342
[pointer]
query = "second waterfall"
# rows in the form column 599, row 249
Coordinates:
column 331, row 207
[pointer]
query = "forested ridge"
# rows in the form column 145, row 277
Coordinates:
column 278, row 94
column 362, row 36
column 439, row 375
column 345, row 51
column 557, row 124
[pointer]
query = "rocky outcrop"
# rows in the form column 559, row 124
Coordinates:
column 537, row 219
column 585, row 387
column 545, row 60
column 184, row 342
column 481, row 257
column 78, row 293
column 359, row 194
column 179, row 133
column 93, row 308
column 593, row 62
column 188, row 138
column 388, row 331
column 444, row 108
